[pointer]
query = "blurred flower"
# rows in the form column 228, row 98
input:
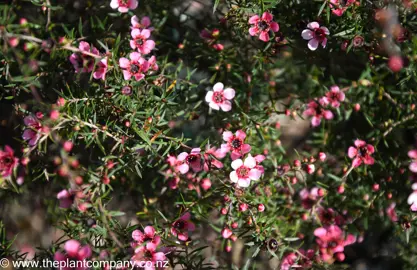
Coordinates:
column 316, row 110
column 361, row 152
column 33, row 130
column 148, row 237
column 135, row 67
column 185, row 161
column 182, row 226
column 334, row 96
column 7, row 161
column 83, row 62
column 315, row 35
column 144, row 23
column 331, row 241
column 338, row 7
column 123, row 6
column 101, row 69
column 140, row 41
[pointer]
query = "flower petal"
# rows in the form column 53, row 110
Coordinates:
column 307, row 34
column 236, row 164
column 218, row 87
column 229, row 93
column 313, row 44
column 313, row 25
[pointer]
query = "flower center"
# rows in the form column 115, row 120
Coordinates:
column 179, row 224
column 332, row 244
column 134, row 68
column 263, row 25
column 363, row 151
column 123, row 2
column 242, row 172
column 218, row 97
column 319, row 110
column 139, row 42
column 236, row 143
column 6, row 161
column 192, row 158
column 319, row 34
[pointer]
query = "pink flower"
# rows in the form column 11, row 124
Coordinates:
column 101, row 69
column 262, row 26
column 148, row 236
column 413, row 165
column 193, row 160
column 66, row 198
column 309, row 198
column 338, row 8
column 412, row 198
column 391, row 213
column 182, row 226
column 296, row 261
column 83, row 62
column 148, row 257
column 152, row 63
column 73, row 252
column 32, row 133
column 140, row 41
column 211, row 157
column 259, row 159
column 331, row 241
column 316, row 35
column 235, row 143
column 226, row 233
column 144, row 23
column 329, row 216
column 361, row 153
column 245, row 171
column 335, row 96
column 136, row 67
column 123, row 6
column 219, row 98
column 316, row 110
column 7, row 161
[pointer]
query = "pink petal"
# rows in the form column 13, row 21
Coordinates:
column 149, row 231
column 254, row 19
column 413, row 167
column 369, row 160
column 412, row 154
column 264, row 36
column 307, row 34
column 326, row 30
column 356, row 162
column 145, row 21
column 313, row 25
column 124, row 62
column 226, row 106
column 183, row 168
column 243, row 182
column 313, row 44
column 240, row 134
column 245, row 148
column 137, row 235
column 146, row 33
column 133, row 4
column 359, row 143
column 214, row 106
column 114, row 4
column 182, row 156
column 370, row 149
column 255, row 174
column 250, row 162
column 126, row 75
column 253, row 31
column 71, row 247
column 229, row 93
column 227, row 136
column 134, row 56
column 320, row 232
column 267, row 17
column 274, row 26
column 84, row 46
column 328, row 115
column 324, row 42
column 352, row 152
column 315, row 121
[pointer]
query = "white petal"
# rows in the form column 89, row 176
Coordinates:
column 214, row 106
column 236, row 164
column 412, row 198
column 233, row 177
column 313, row 25
column 209, row 96
column 326, row 30
column 218, row 87
column 243, row 182
column 114, row 4
column 313, row 44
column 307, row 34
column 226, row 106
column 229, row 93
column 250, row 162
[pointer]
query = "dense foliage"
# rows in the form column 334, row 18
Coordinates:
column 180, row 131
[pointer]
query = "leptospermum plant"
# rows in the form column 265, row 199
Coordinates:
column 209, row 134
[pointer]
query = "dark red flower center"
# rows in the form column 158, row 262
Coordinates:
column 236, row 143
column 319, row 110
column 139, row 42
column 319, row 34
column 218, row 97
column 363, row 151
column 242, row 172
column 192, row 158
column 332, row 244
column 263, row 25
column 134, row 68
column 179, row 224
column 123, row 2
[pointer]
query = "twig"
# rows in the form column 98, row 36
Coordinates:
column 405, row 119
column 106, row 224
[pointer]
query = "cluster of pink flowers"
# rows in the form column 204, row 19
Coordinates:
column 211, row 38
column 339, row 7
column 74, row 251
column 145, row 246
column 301, row 260
column 262, row 26
column 137, row 66
column 84, row 63
column 332, row 242
column 361, row 153
column 220, row 97
column 315, row 35
column 318, row 108
column 8, row 162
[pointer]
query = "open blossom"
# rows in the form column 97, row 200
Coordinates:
column 123, row 6
column 7, row 161
column 244, row 171
column 262, row 26
column 32, row 133
column 391, row 212
column 136, row 67
column 140, row 41
column 66, row 198
column 83, row 62
column 317, row 111
column 329, row 216
column 315, row 35
column 101, row 69
column 412, row 198
column 73, row 252
column 182, row 227
column 144, row 23
column 220, row 97
column 147, row 255
column 152, row 63
column 338, row 7
column 332, row 242
column 334, row 96
column 413, row 165
column 309, row 198
column 361, row 152
column 148, row 237
column 235, row 143
column 187, row 160
column 259, row 159
column 211, row 158
column 301, row 260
